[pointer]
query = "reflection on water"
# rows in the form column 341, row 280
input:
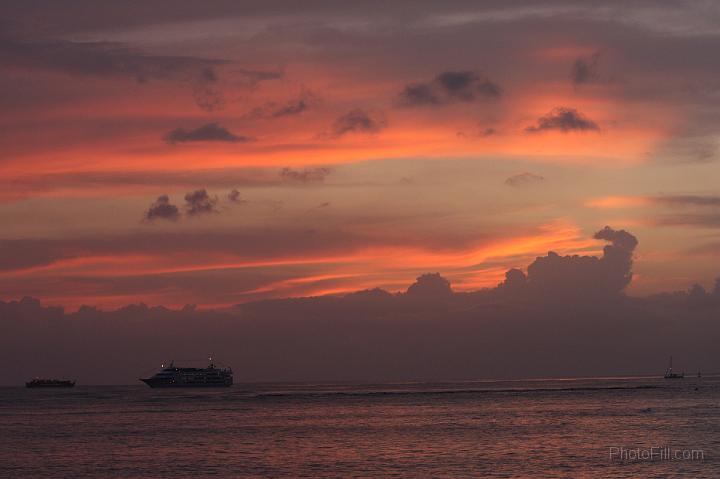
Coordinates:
column 547, row 428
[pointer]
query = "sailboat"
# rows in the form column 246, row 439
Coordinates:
column 669, row 374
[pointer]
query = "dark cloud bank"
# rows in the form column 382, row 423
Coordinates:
column 449, row 87
column 565, row 316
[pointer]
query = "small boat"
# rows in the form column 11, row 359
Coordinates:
column 669, row 374
column 50, row 383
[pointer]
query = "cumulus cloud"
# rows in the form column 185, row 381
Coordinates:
column 357, row 121
column 450, row 86
column 586, row 276
column 524, row 179
column 208, row 132
column 200, row 202
column 430, row 285
column 307, row 175
column 162, row 209
column 564, row 120
column 585, row 69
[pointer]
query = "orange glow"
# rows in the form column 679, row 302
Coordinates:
column 610, row 202
column 388, row 266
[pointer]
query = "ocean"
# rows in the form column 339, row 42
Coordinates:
column 574, row 428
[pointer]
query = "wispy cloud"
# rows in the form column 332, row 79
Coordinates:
column 524, row 179
column 208, row 132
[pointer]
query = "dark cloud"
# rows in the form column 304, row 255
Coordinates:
column 162, row 209
column 208, row 132
column 467, row 85
column 450, row 86
column 430, row 285
column 368, row 336
column 358, row 121
column 272, row 110
column 416, row 94
column 580, row 277
column 326, row 337
column 524, row 179
column 234, row 196
column 307, row 175
column 586, row 70
column 109, row 60
column 565, row 120
column 200, row 202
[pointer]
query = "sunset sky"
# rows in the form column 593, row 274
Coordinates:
column 216, row 153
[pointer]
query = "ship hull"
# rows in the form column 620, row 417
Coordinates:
column 167, row 385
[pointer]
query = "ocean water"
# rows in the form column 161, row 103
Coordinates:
column 543, row 429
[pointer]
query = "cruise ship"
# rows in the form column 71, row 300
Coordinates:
column 177, row 377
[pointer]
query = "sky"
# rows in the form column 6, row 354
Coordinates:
column 219, row 153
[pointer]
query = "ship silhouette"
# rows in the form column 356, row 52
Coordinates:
column 669, row 374
column 184, row 377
